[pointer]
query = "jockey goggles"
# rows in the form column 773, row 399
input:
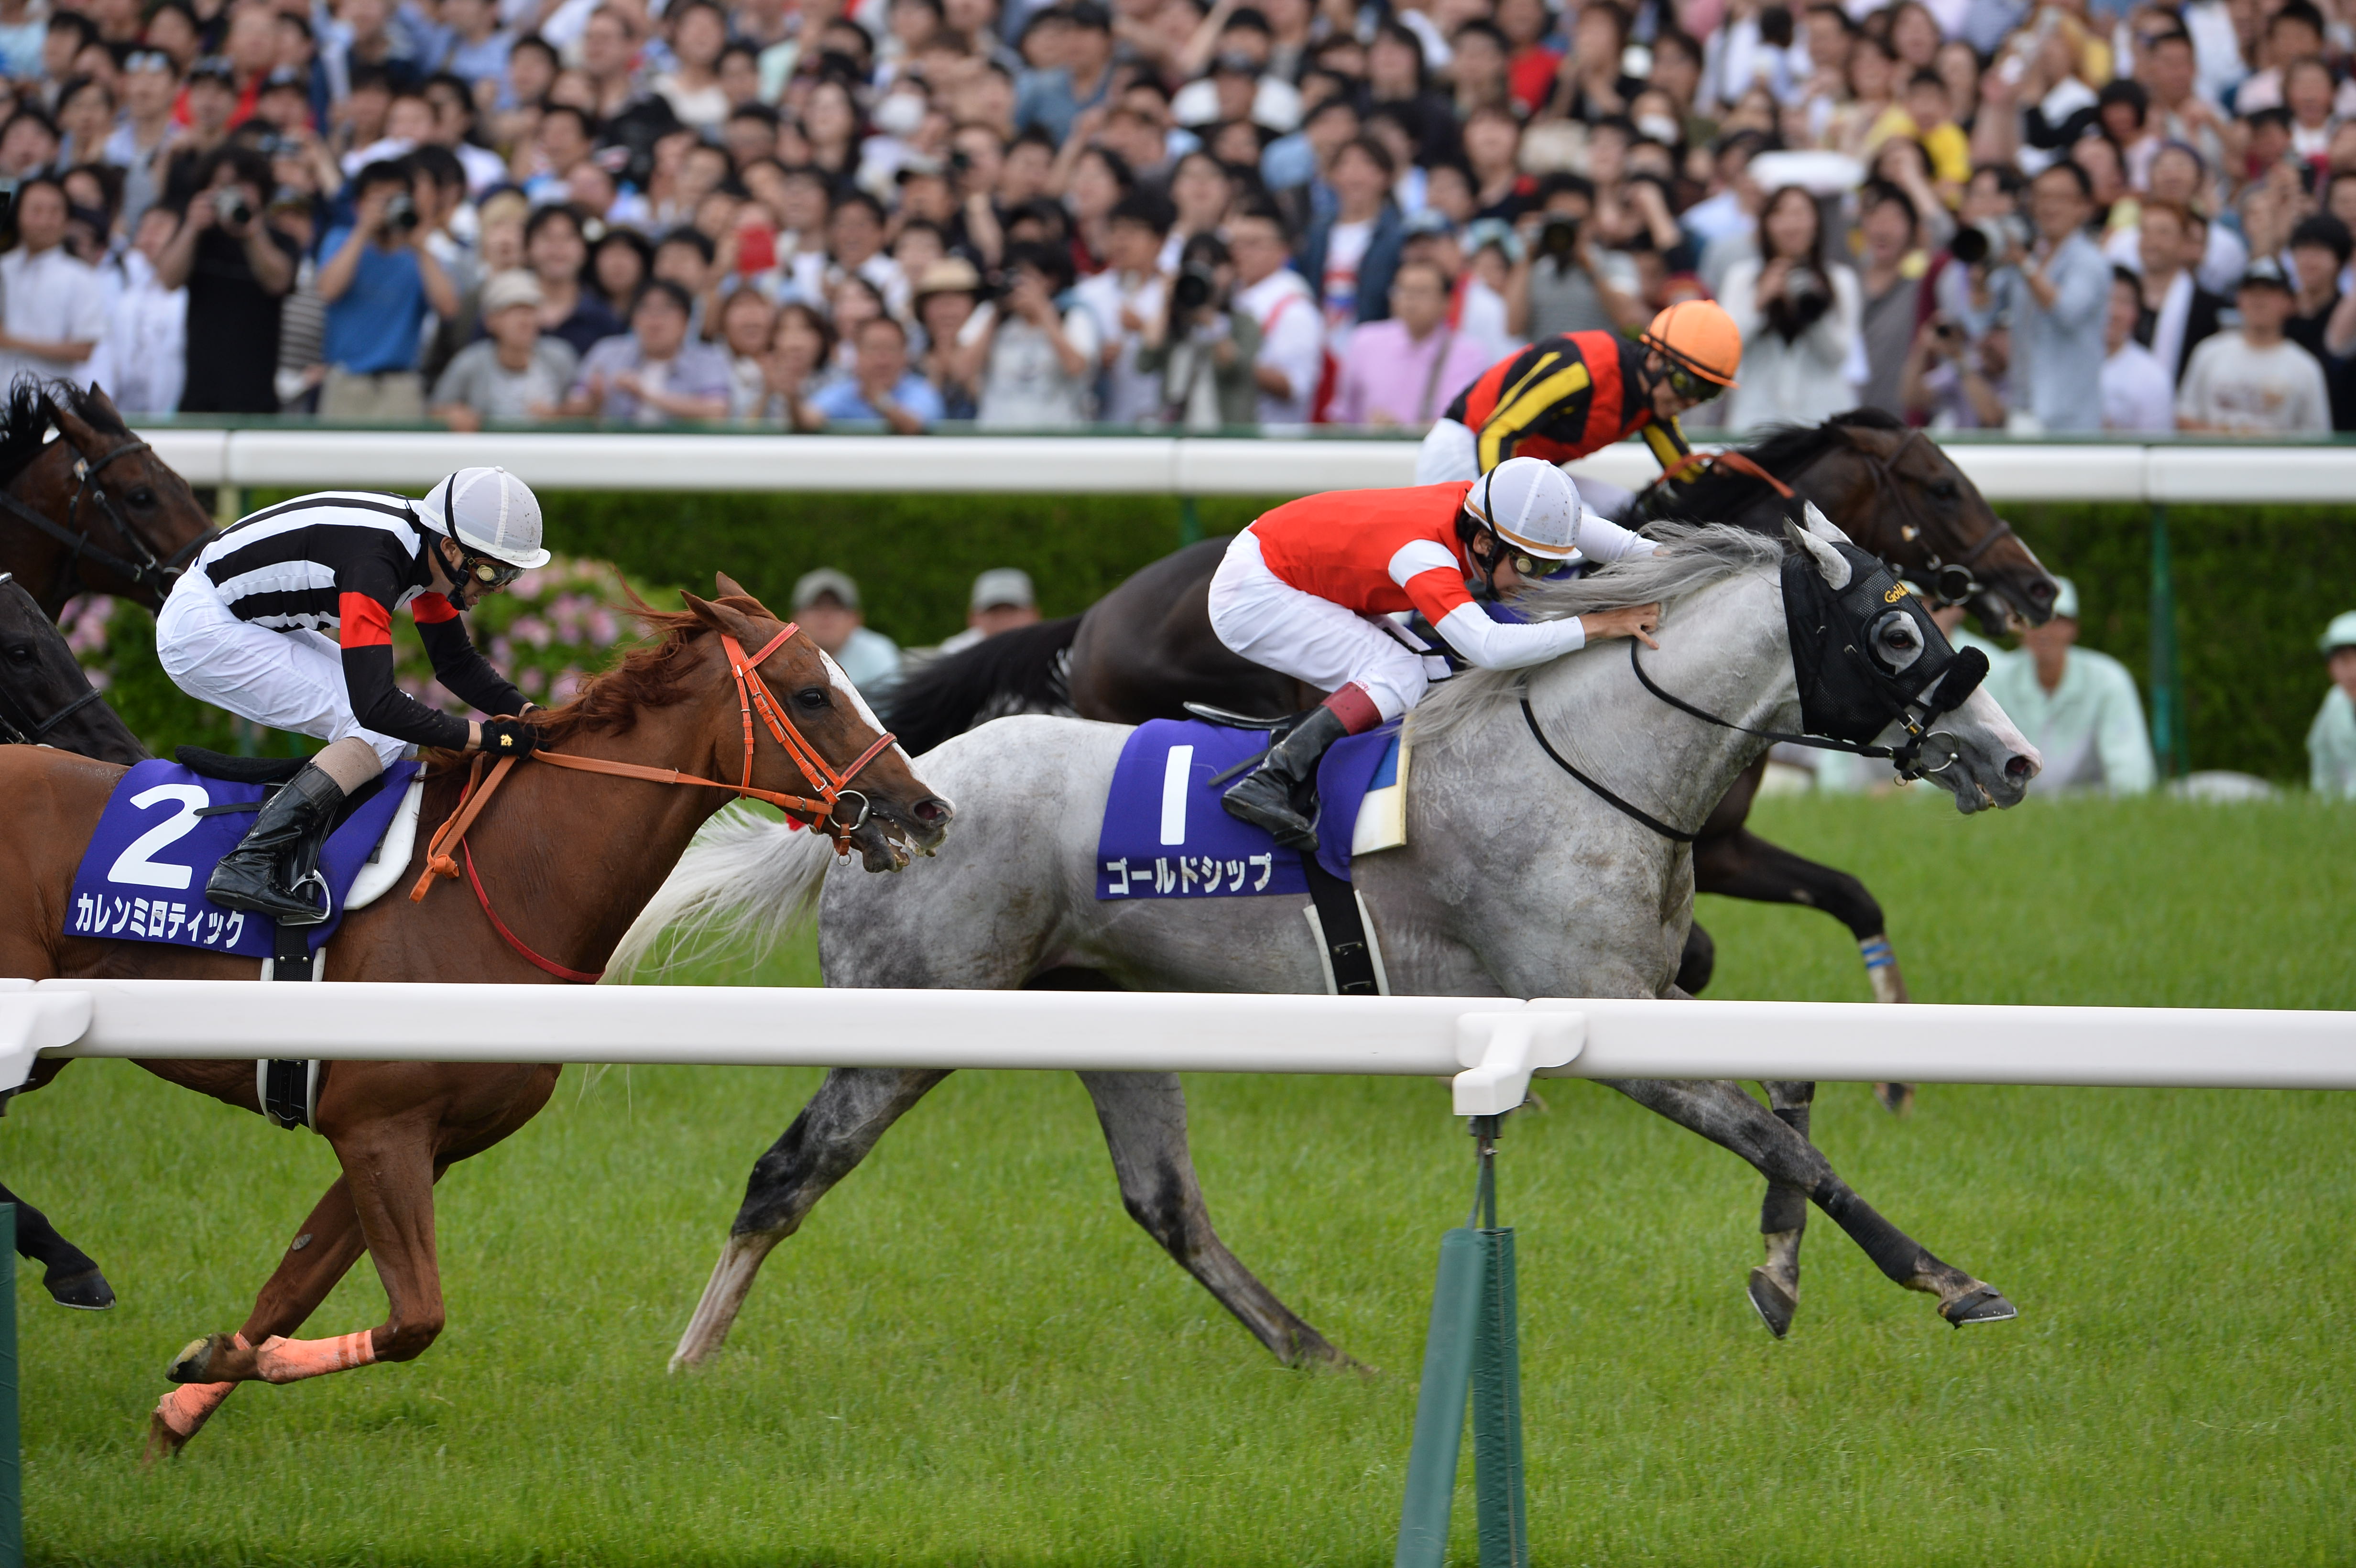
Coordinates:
column 490, row 572
column 1684, row 379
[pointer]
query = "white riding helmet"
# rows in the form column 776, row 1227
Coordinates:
column 1532, row 506
column 490, row 512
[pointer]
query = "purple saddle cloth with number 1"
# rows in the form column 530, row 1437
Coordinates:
column 1165, row 835
column 143, row 878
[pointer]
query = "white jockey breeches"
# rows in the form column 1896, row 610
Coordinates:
column 1450, row 454
column 283, row 680
column 1271, row 623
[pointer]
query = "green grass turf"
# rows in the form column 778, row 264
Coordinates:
column 972, row 1357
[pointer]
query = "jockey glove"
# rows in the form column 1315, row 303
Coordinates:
column 509, row 738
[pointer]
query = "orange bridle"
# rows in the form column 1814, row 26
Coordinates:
column 753, row 696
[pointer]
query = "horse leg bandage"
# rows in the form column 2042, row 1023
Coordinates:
column 190, row 1406
column 285, row 1360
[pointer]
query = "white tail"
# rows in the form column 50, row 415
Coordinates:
column 746, row 878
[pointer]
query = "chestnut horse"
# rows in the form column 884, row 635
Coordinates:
column 569, row 855
column 94, row 511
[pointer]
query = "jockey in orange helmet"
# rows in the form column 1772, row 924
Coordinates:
column 1566, row 395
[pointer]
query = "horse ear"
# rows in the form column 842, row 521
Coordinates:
column 731, row 589
column 1829, row 562
column 1823, row 528
column 73, row 423
column 722, row 618
column 103, row 403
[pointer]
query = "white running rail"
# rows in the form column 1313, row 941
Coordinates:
column 295, row 458
column 1491, row 1048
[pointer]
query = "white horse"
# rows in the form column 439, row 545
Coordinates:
column 1516, row 880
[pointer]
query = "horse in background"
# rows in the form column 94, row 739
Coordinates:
column 93, row 510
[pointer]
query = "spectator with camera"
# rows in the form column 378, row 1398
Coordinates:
column 381, row 283
column 1038, row 358
column 1570, row 282
column 1953, row 382
column 1290, row 360
column 2059, row 289
column 237, row 268
column 54, row 311
column 1799, row 314
column 1203, row 349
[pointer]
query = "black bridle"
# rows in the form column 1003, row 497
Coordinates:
column 18, row 727
column 1946, row 682
column 1952, row 582
column 151, row 570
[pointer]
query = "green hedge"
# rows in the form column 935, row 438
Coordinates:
column 2255, row 585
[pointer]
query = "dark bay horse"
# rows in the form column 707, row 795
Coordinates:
column 571, row 855
column 95, row 510
column 1147, row 647
column 45, row 697
column 46, row 700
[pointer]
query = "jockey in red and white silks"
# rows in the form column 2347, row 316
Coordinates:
column 1301, row 590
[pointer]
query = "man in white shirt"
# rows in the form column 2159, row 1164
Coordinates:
column 2138, row 394
column 2078, row 707
column 2255, row 380
column 55, row 307
column 1291, row 359
column 142, row 360
column 1122, row 298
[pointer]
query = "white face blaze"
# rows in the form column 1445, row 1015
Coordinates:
column 858, row 703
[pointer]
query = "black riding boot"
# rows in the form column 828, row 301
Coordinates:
column 266, row 872
column 1281, row 794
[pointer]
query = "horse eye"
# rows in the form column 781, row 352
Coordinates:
column 20, row 653
column 812, row 697
column 143, row 497
column 1944, row 490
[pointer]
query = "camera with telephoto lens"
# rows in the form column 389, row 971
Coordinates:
column 1195, row 287
column 400, row 214
column 231, row 208
column 1977, row 242
column 1558, row 239
column 1804, row 284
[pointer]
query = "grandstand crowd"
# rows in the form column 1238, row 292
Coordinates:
column 1971, row 213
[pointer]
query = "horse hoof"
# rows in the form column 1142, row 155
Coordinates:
column 1984, row 1304
column 163, row 1443
column 1774, row 1305
column 1898, row 1099
column 85, row 1292
column 194, row 1363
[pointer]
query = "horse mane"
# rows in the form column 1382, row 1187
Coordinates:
column 656, row 676
column 1692, row 556
column 25, row 422
column 1722, row 491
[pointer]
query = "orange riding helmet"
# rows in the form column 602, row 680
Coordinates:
column 1698, row 336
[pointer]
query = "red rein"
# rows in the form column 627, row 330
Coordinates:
column 752, row 696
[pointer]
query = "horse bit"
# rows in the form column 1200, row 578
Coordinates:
column 151, row 571
column 18, row 727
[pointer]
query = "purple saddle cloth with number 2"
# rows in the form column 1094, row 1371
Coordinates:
column 143, row 878
column 1165, row 834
